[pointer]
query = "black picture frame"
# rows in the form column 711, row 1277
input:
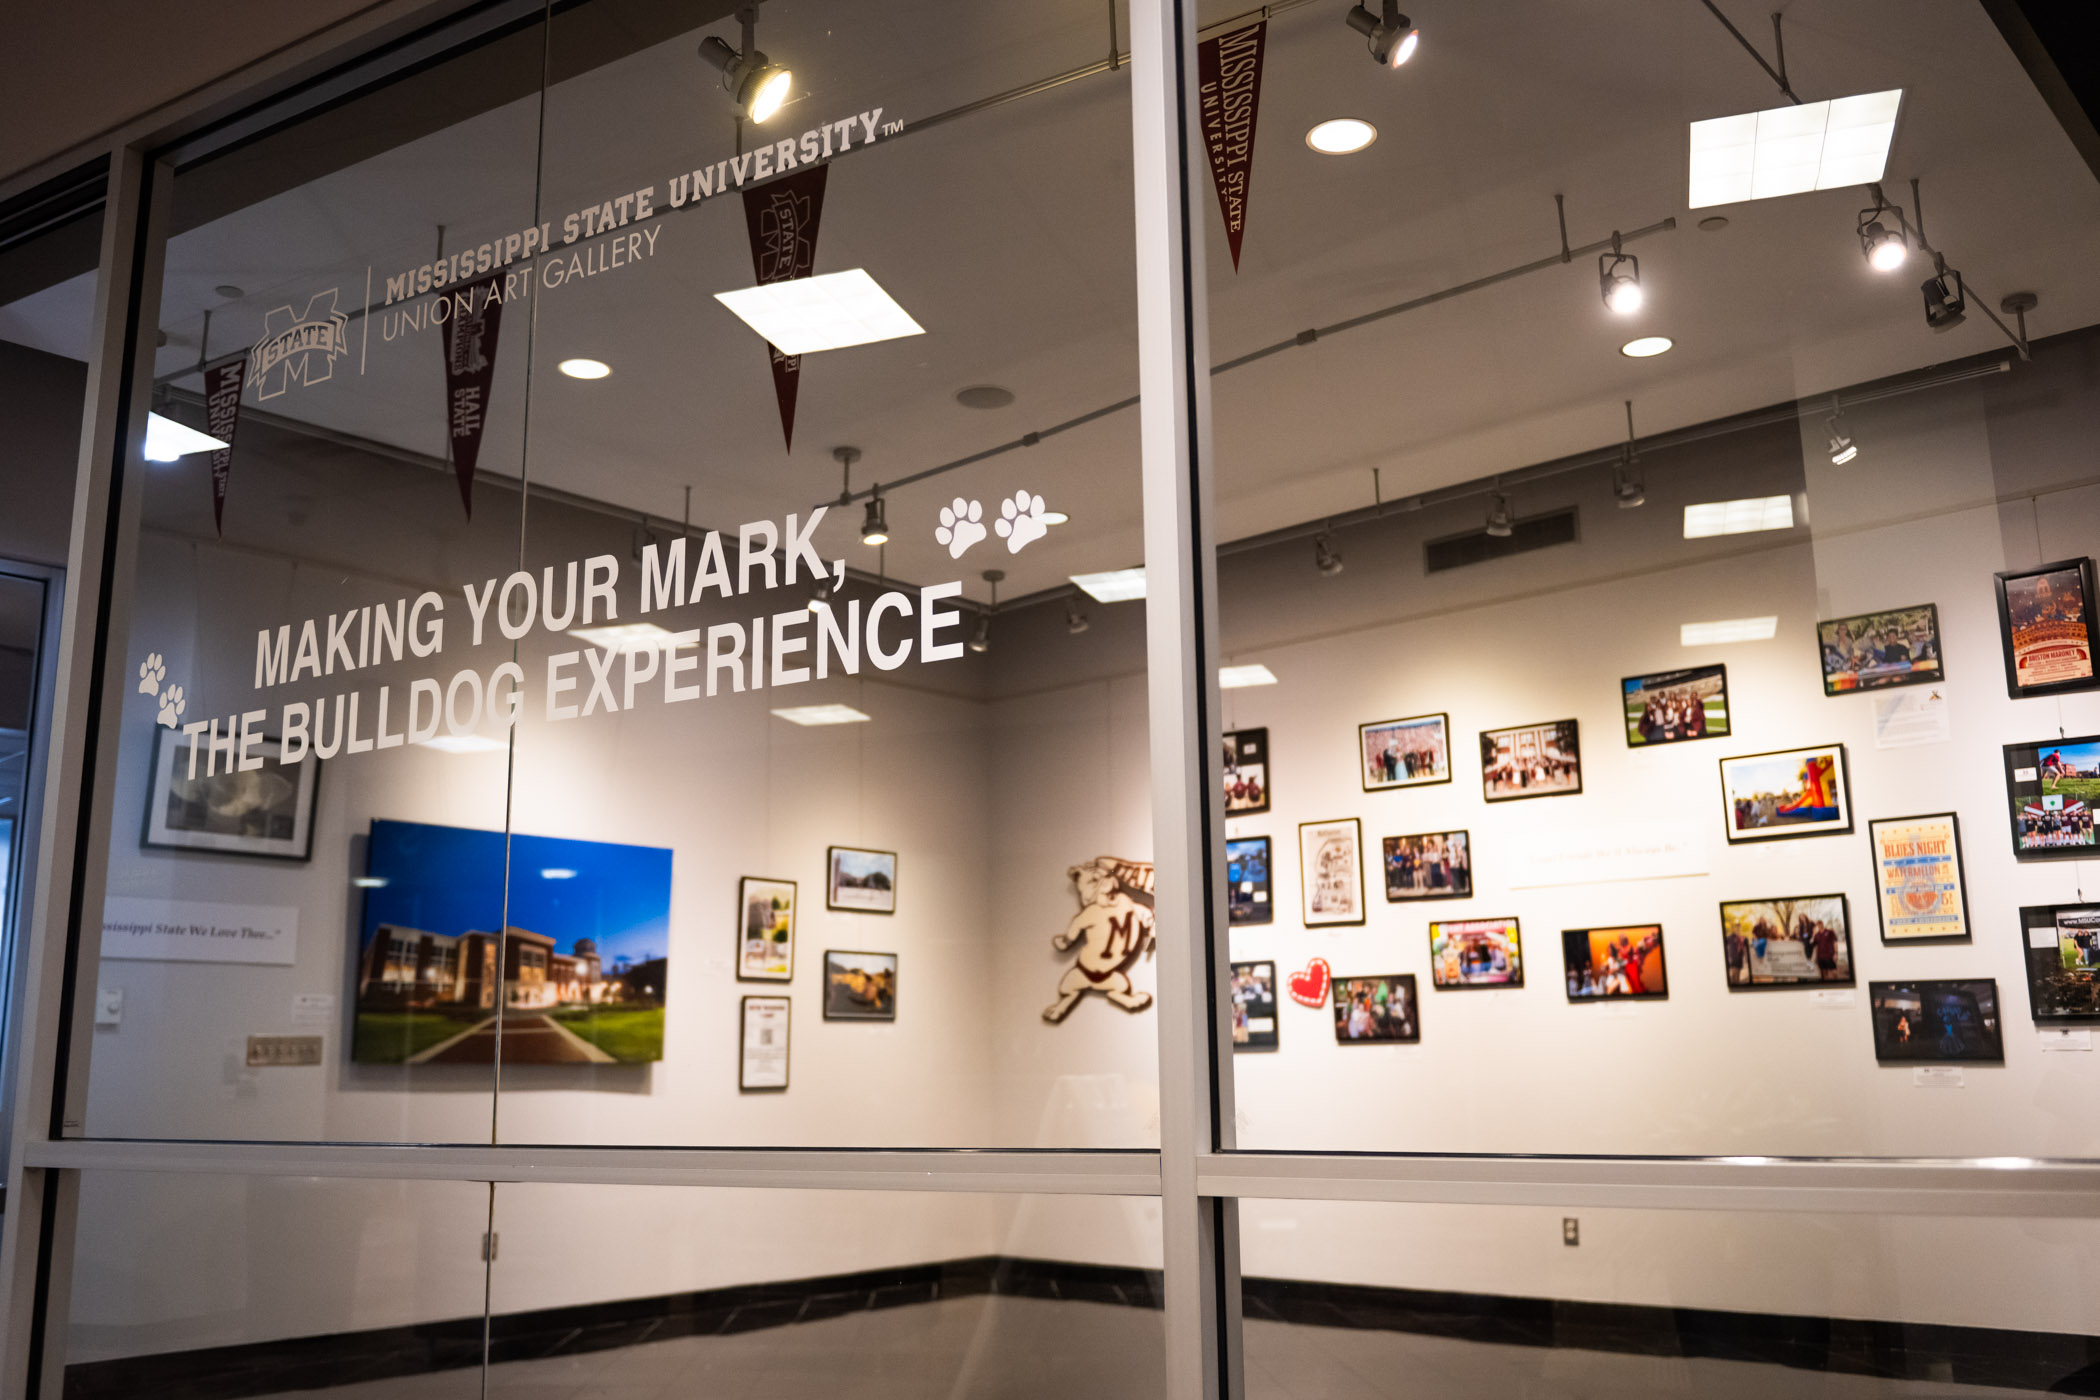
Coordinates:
column 1306, row 873
column 1384, row 1028
column 1965, row 1010
column 158, row 832
column 1836, row 637
column 1250, row 888
column 1582, row 940
column 2041, row 639
column 1461, row 981
column 842, row 1001
column 2039, row 826
column 873, row 903
column 743, row 931
column 1840, row 824
column 1566, row 741
column 1885, row 898
column 1739, row 952
column 1256, row 1024
column 2058, row 994
column 1634, row 690
column 1458, row 884
column 786, row 1007
column 1364, row 739
column 1247, row 776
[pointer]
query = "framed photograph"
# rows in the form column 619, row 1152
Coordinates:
column 1400, row 753
column 1937, row 1022
column 2062, row 948
column 2045, row 619
column 860, row 986
column 1331, row 872
column 1246, row 772
column 1532, row 760
column 1801, row 941
column 1475, row 953
column 1795, row 792
column 1670, row 707
column 1247, row 882
column 1376, row 1010
column 1877, row 650
column 267, row 811
column 765, row 949
column 762, row 1065
column 2050, row 788
column 1918, row 882
column 1432, row 865
column 861, row 882
column 1254, row 1006
column 1615, row 964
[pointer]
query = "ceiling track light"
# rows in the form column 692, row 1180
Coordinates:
column 1326, row 558
column 1885, row 248
column 1392, row 36
column 981, row 639
column 1842, row 448
column 1501, row 521
column 821, row 592
column 1945, row 306
column 755, row 83
column 1619, row 277
column 1627, row 487
column 874, row 526
column 1075, row 620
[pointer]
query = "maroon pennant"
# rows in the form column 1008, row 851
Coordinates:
column 782, row 218
column 1229, row 71
column 222, row 418
column 470, row 374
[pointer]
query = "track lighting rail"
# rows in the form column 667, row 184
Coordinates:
column 1777, row 75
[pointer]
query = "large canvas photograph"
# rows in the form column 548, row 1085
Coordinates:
column 1877, row 650
column 577, row 977
column 1254, row 1024
column 2050, row 788
column 860, row 986
column 1376, row 1010
column 1795, row 792
column 1399, row 753
column 267, row 811
column 1531, row 760
column 1475, row 953
column 2046, row 625
column 1938, row 1021
column 1799, row 941
column 1615, row 964
column 1247, row 894
column 2062, row 949
column 1246, row 772
column 1331, row 872
column 1431, row 865
column 1670, row 707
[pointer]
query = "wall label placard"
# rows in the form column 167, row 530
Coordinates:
column 169, row 930
column 1608, row 855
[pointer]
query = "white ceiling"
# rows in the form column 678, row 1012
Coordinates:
column 1008, row 235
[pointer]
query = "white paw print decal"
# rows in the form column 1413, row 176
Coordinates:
column 962, row 525
column 152, row 671
column 171, row 705
column 1021, row 521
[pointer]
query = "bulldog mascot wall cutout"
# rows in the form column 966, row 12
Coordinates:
column 1112, row 928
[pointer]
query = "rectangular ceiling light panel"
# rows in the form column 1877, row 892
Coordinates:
column 1240, row 677
column 1792, row 150
column 821, row 714
column 1731, row 629
column 625, row 636
column 1744, row 517
column 807, row 314
column 1116, row 586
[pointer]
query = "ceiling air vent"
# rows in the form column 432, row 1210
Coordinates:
column 1478, row 546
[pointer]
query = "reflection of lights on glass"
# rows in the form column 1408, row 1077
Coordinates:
column 1646, row 347
column 370, row 882
column 821, row 714
column 1341, row 136
column 557, row 873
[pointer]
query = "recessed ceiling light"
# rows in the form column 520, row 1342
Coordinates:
column 1646, row 347
column 585, row 369
column 807, row 314
column 1744, row 517
column 1056, row 517
column 1340, row 136
column 627, row 636
column 1713, row 223
column 229, row 291
column 984, row 396
column 465, row 743
column 822, row 714
column 1115, row 586
column 1240, row 677
column 167, row 440
column 1791, row 150
column 1731, row 629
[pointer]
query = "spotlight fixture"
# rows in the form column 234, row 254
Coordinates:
column 1646, row 347
column 1619, row 274
column 1326, row 558
column 1075, row 620
column 1341, row 136
column 821, row 592
column 754, row 82
column 1842, row 448
column 981, row 639
column 1501, row 521
column 1392, row 36
column 1627, row 487
column 1945, row 306
column 1885, row 248
column 874, row 528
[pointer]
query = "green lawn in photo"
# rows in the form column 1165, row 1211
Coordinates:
column 629, row 1034
column 2086, row 790
column 1716, row 708
column 394, row 1037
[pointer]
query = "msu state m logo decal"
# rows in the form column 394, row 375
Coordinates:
column 299, row 349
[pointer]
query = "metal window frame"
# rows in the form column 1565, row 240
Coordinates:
column 1197, row 1173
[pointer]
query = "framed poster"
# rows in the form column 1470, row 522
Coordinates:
column 267, row 811
column 1331, row 872
column 860, row 986
column 1794, row 792
column 1937, row 1022
column 2050, row 788
column 1432, row 865
column 1247, row 882
column 1877, row 650
column 1254, row 1025
column 762, row 1064
column 1615, row 964
column 1376, row 1010
column 1246, row 772
column 1918, row 883
column 1670, row 707
column 1800, row 941
column 1475, row 953
column 1531, row 760
column 1399, row 753
column 861, row 882
column 2045, row 620
column 765, row 930
column 2061, row 943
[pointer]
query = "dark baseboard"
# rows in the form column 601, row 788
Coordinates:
column 2051, row 1362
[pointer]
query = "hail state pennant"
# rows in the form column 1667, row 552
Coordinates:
column 470, row 373
column 1228, row 68
column 782, row 216
column 222, row 418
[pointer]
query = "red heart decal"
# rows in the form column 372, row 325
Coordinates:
column 1309, row 988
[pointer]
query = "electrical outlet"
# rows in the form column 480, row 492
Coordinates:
column 1570, row 1230
column 109, row 1006
column 489, row 1242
